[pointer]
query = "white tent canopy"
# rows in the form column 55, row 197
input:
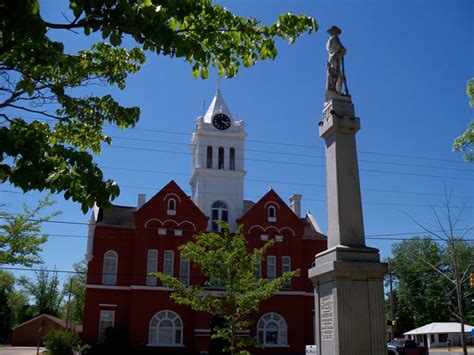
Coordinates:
column 439, row 328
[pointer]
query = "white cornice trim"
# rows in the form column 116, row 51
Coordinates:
column 167, row 289
column 197, row 330
column 219, row 173
column 108, row 287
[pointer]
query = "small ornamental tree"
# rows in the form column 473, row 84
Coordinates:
column 20, row 233
column 224, row 259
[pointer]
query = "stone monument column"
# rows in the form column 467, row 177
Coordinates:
column 348, row 276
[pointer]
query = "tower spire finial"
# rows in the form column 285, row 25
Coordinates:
column 218, row 83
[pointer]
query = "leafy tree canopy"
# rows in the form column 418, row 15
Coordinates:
column 20, row 234
column 225, row 261
column 44, row 290
column 76, row 284
column 465, row 142
column 38, row 78
column 423, row 294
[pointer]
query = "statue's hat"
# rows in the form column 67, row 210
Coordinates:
column 334, row 30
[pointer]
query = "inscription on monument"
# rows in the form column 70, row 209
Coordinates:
column 327, row 318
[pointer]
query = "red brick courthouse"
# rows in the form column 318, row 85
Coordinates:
column 128, row 242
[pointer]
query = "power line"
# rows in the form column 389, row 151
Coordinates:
column 283, row 153
column 259, row 196
column 197, row 231
column 298, row 163
column 303, row 146
column 287, row 144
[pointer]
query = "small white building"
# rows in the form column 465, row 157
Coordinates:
column 436, row 335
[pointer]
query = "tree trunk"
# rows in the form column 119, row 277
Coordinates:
column 459, row 296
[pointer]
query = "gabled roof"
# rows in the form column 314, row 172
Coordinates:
column 217, row 105
column 56, row 320
column 440, row 327
column 157, row 201
column 270, row 195
column 256, row 216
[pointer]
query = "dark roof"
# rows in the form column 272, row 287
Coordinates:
column 247, row 205
column 117, row 215
column 310, row 230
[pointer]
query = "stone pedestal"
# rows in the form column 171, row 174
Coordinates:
column 348, row 277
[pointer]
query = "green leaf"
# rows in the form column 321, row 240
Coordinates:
column 116, row 38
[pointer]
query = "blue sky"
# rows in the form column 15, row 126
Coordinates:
column 407, row 65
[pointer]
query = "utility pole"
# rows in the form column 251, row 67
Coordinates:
column 392, row 319
column 68, row 313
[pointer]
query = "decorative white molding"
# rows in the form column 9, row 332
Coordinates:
column 272, row 219
column 171, row 212
column 271, row 228
column 153, row 220
column 150, row 288
column 189, row 222
column 165, row 345
column 264, row 237
column 166, row 289
column 161, row 231
column 178, row 232
column 272, row 203
column 198, row 330
column 279, row 238
column 107, row 287
column 289, row 229
column 171, row 194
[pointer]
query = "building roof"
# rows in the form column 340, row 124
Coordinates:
column 217, row 105
column 61, row 322
column 117, row 215
column 440, row 327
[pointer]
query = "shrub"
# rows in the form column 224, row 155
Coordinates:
column 61, row 342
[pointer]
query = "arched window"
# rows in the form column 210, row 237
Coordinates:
column 232, row 159
column 171, row 206
column 109, row 269
column 220, row 212
column 220, row 164
column 209, row 157
column 272, row 330
column 272, row 214
column 166, row 329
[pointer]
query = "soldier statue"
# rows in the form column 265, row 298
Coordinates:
column 335, row 65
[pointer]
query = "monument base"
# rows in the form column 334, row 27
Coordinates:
column 349, row 301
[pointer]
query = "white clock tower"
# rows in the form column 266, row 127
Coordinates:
column 217, row 180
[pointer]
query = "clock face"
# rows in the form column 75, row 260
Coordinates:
column 221, row 121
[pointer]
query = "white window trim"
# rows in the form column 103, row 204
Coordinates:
column 271, row 257
column 151, row 280
column 286, row 285
column 274, row 218
column 172, row 262
column 279, row 238
column 178, row 232
column 264, row 237
column 220, row 211
column 279, row 345
column 171, row 211
column 188, row 269
column 161, row 231
column 116, row 269
column 177, row 344
column 100, row 321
